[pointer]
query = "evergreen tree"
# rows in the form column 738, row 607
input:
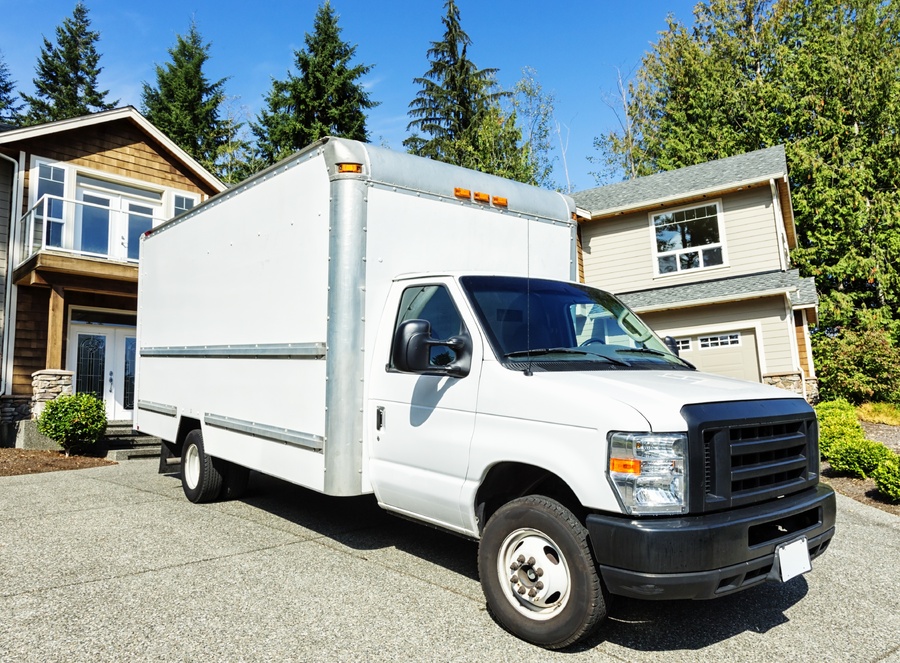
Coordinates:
column 66, row 82
column 454, row 97
column 185, row 104
column 9, row 108
column 325, row 99
column 821, row 77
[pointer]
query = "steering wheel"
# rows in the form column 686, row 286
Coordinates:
column 590, row 341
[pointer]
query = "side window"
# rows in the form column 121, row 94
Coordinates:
column 434, row 304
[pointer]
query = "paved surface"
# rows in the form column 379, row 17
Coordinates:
column 113, row 564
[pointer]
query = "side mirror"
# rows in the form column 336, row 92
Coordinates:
column 411, row 352
column 672, row 345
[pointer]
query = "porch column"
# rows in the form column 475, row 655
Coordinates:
column 55, row 328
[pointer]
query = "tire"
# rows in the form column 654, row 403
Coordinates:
column 201, row 475
column 538, row 574
column 234, row 481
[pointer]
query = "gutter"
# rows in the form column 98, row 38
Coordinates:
column 15, row 205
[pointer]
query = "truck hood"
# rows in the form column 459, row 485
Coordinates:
column 587, row 397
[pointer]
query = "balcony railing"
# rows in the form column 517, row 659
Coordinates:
column 84, row 229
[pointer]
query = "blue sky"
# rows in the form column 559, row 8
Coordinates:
column 576, row 47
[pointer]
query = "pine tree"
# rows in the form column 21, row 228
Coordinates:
column 66, row 82
column 325, row 99
column 9, row 107
column 821, row 77
column 454, row 97
column 185, row 104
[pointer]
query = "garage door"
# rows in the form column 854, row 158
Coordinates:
column 729, row 353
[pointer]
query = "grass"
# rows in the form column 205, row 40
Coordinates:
column 879, row 413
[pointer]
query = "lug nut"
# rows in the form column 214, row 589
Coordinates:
column 514, row 566
column 539, row 571
column 521, row 559
column 532, row 592
column 521, row 590
column 514, row 580
column 538, row 585
column 531, row 561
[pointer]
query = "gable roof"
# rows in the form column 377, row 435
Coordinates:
column 693, row 182
column 128, row 113
column 709, row 177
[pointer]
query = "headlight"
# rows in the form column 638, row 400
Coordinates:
column 647, row 471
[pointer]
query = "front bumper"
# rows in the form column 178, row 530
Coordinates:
column 709, row 555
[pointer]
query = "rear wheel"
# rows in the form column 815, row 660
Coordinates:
column 201, row 477
column 538, row 574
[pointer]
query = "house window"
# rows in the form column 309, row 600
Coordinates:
column 688, row 238
column 683, row 344
column 51, row 183
column 183, row 204
column 720, row 340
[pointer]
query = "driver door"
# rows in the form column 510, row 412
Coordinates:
column 423, row 423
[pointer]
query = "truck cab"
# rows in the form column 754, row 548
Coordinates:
column 547, row 420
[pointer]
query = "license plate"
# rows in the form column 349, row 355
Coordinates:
column 793, row 559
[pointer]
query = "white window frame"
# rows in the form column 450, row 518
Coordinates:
column 724, row 340
column 683, row 344
column 720, row 221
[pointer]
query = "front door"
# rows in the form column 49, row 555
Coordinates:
column 102, row 358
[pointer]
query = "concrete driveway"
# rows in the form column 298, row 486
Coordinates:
column 113, row 564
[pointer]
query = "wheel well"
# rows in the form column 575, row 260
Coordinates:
column 185, row 426
column 507, row 481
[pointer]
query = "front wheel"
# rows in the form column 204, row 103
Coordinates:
column 538, row 574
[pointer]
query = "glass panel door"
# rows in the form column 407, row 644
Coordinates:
column 140, row 220
column 93, row 232
column 90, row 364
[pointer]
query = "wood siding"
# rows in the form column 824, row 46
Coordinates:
column 800, row 330
column 118, row 148
column 619, row 252
column 777, row 337
column 6, row 193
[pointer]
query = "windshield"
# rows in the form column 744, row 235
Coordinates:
column 542, row 322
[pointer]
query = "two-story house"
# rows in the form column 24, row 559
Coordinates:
column 703, row 255
column 75, row 197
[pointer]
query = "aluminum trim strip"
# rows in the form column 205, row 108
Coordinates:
column 159, row 408
column 250, row 351
column 284, row 435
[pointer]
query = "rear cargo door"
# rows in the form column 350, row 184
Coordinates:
column 423, row 424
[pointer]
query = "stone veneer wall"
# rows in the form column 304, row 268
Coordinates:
column 795, row 382
column 14, row 408
column 46, row 386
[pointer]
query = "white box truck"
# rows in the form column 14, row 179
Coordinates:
column 356, row 320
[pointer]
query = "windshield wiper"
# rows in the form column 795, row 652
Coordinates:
column 657, row 353
column 535, row 352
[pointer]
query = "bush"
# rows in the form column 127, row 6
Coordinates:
column 858, row 365
column 75, row 423
column 858, row 457
column 837, row 423
column 887, row 478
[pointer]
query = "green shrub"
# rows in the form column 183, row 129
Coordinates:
column 858, row 365
column 75, row 423
column 887, row 478
column 837, row 423
column 858, row 457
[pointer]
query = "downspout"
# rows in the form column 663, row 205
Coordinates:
column 15, row 205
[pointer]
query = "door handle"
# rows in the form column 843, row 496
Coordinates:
column 379, row 417
column 110, row 382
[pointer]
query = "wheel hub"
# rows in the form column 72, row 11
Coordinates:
column 535, row 574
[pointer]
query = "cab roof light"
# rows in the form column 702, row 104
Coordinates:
column 355, row 168
column 459, row 192
column 500, row 201
column 481, row 197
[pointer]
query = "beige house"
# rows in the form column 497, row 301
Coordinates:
column 75, row 197
column 703, row 255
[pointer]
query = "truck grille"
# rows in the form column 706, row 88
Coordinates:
column 750, row 451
